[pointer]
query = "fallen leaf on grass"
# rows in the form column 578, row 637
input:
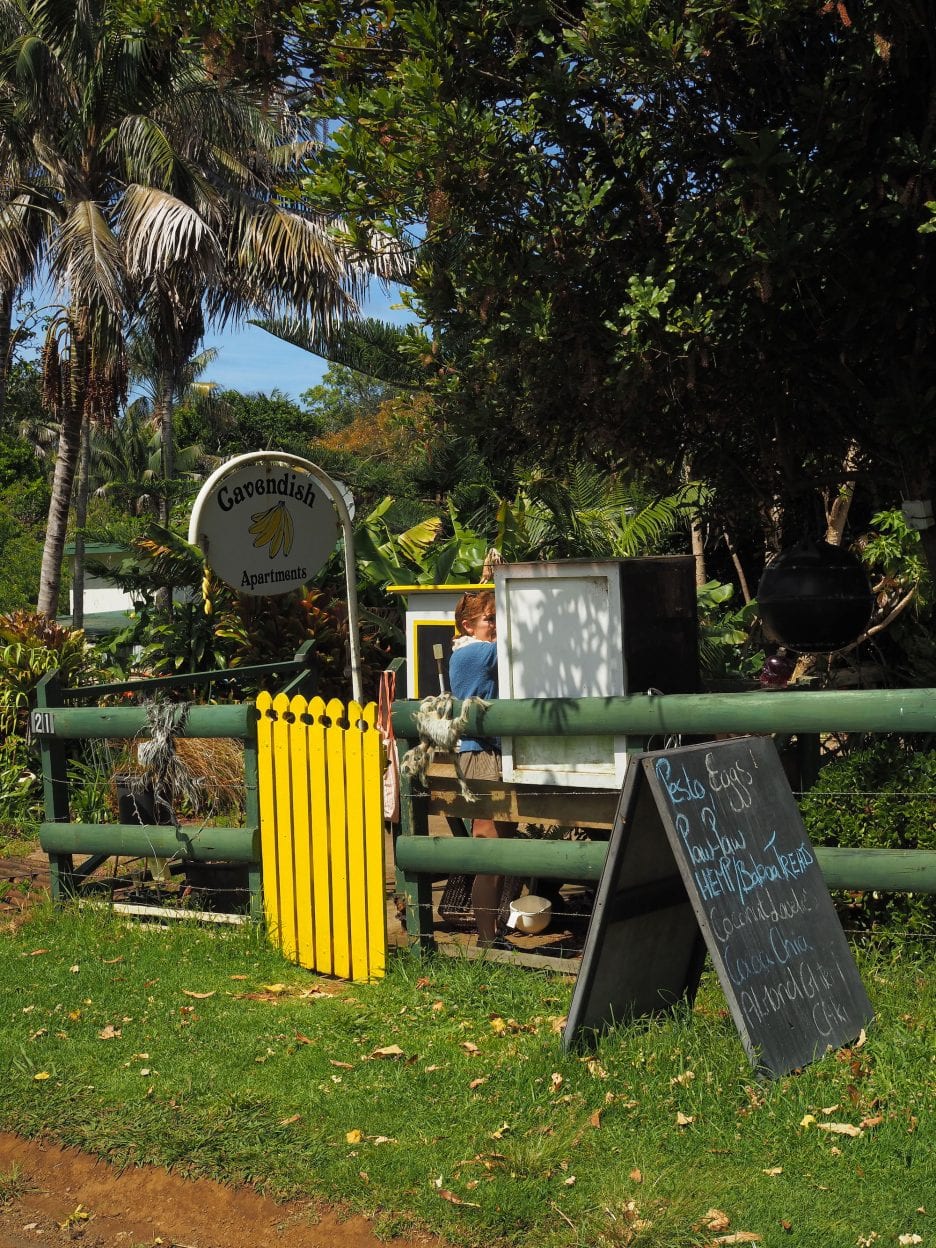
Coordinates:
column 288, row 1122
column 431, row 1070
column 388, row 1050
column 840, row 1128
column 807, row 1120
column 301, row 1039
column 740, row 1237
column 34, row 953
column 109, row 1032
column 310, row 992
column 909, row 1239
column 684, row 1120
column 636, row 1176
column 199, row 996
column 112, row 961
column 685, row 1078
column 354, row 1137
column 569, row 1182
column 476, row 1083
column 237, row 977
column 470, row 1047
column 556, row 1080
column 341, row 1065
column 867, row 1123
column 42, row 1074
column 276, row 989
column 774, row 1170
column 423, row 982
column 595, row 1119
column 716, row 1220
column 456, row 1200
column 501, row 1131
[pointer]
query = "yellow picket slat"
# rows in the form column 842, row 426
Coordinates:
column 338, row 838
column 357, row 868
column 284, row 827
column 322, row 836
column 374, row 899
column 301, row 804
column 318, row 787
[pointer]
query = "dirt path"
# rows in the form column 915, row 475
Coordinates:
column 147, row 1207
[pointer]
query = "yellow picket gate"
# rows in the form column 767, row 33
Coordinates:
column 321, row 833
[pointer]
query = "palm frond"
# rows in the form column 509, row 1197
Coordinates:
column 372, row 347
column 160, row 232
column 86, row 259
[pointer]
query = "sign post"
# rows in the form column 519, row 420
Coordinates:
column 267, row 522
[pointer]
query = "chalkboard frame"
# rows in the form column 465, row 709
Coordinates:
column 426, row 634
column 782, row 959
column 644, row 951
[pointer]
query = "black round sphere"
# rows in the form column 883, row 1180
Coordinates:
column 815, row 597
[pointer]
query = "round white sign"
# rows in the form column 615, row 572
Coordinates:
column 266, row 528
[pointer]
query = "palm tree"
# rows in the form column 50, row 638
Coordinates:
column 139, row 182
column 589, row 514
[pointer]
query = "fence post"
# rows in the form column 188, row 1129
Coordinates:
column 415, row 886
column 55, row 785
column 252, row 812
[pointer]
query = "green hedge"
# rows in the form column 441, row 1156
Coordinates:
column 882, row 796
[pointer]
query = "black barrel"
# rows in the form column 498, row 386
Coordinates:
column 815, row 597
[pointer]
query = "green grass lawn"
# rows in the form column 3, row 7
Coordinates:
column 440, row 1097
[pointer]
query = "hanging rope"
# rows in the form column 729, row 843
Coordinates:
column 438, row 731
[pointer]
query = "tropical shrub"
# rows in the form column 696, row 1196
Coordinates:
column 31, row 646
column 20, row 790
column 881, row 796
column 726, row 650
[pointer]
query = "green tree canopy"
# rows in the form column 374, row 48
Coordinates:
column 658, row 232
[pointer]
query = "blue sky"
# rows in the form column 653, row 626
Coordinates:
column 251, row 360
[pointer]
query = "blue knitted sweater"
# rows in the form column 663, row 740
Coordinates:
column 473, row 673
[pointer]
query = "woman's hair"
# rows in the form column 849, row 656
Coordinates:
column 469, row 606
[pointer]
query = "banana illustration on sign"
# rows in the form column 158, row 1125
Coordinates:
column 273, row 528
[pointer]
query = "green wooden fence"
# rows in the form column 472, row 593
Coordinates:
column 421, row 858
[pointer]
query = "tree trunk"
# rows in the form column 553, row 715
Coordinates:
column 81, row 517
column 837, row 511
column 163, row 415
column 696, row 536
column 6, row 337
column 698, row 550
column 66, row 465
column 163, row 419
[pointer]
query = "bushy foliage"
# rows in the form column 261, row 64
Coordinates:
column 881, row 796
column 31, row 646
column 20, row 790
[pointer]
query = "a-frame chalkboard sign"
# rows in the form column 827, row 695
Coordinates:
column 709, row 850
